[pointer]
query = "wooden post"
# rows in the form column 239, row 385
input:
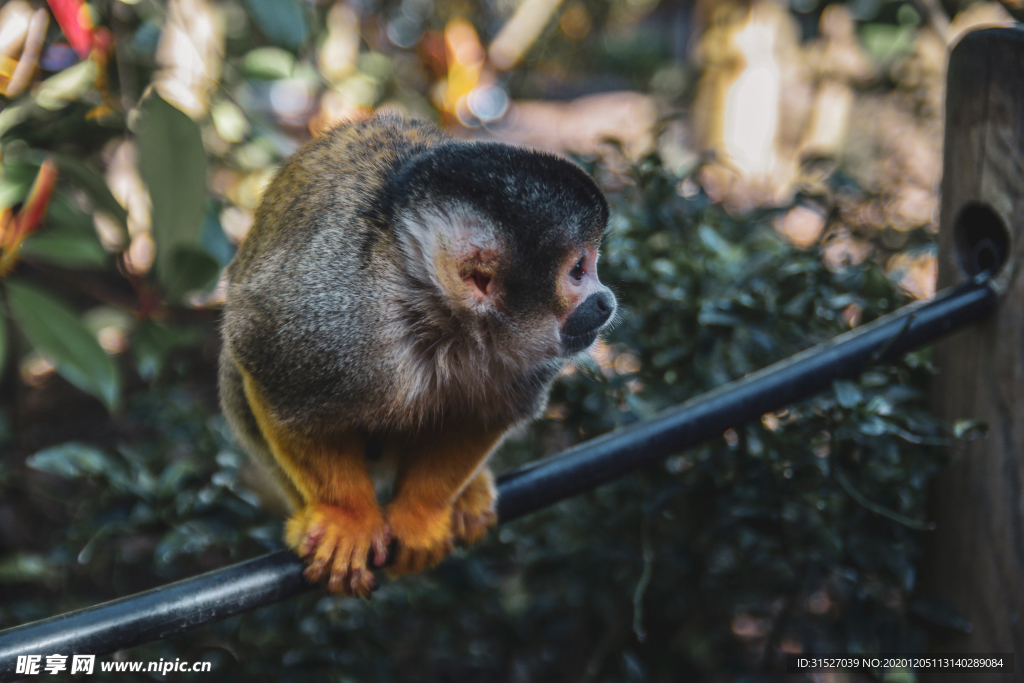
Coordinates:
column 975, row 557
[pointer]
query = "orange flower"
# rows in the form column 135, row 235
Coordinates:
column 14, row 228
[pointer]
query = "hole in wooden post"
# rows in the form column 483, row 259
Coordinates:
column 981, row 240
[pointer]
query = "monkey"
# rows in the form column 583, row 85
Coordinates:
column 403, row 300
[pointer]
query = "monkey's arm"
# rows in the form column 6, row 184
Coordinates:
column 339, row 521
column 442, row 475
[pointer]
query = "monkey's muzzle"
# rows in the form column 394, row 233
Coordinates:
column 580, row 329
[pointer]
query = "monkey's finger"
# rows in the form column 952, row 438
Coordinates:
column 313, row 572
column 301, row 535
column 322, row 555
column 319, row 533
column 380, row 546
column 340, row 580
column 337, row 580
column 362, row 583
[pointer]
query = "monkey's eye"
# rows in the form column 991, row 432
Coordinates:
column 577, row 271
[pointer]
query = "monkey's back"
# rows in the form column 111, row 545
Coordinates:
column 307, row 314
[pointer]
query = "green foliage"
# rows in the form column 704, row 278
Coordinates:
column 54, row 329
column 69, row 240
column 799, row 530
column 172, row 162
column 173, row 165
column 282, row 21
column 268, row 63
column 67, row 248
column 86, row 177
column 153, row 343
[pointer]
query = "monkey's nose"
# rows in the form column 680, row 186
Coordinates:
column 589, row 316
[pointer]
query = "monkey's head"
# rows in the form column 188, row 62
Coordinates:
column 504, row 242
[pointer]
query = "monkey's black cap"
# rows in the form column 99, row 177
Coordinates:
column 531, row 195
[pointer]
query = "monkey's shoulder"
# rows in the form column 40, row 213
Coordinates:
column 370, row 149
column 337, row 182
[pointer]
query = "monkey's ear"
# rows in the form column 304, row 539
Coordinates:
column 457, row 254
column 476, row 265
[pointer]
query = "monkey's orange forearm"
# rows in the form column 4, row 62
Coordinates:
column 341, row 522
column 327, row 471
column 435, row 468
column 433, row 471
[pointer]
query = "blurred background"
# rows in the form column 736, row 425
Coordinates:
column 773, row 172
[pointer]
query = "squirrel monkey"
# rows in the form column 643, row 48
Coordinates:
column 404, row 298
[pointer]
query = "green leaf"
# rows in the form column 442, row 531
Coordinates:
column 282, row 21
column 720, row 246
column 68, row 239
column 15, row 114
column 21, row 165
column 91, row 181
column 173, row 166
column 12, row 191
column 848, row 394
column 24, row 568
column 230, row 121
column 66, row 86
column 873, row 426
column 65, row 248
column 70, row 460
column 177, row 472
column 885, row 42
column 101, row 317
column 63, row 213
column 268, row 63
column 191, row 269
column 55, row 330
column 153, row 342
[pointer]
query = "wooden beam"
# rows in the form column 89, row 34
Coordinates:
column 974, row 561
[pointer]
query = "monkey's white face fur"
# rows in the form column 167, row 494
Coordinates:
column 462, row 335
column 455, row 251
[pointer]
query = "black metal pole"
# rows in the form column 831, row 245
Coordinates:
column 219, row 594
column 156, row 613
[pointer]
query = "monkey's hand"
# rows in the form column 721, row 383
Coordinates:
column 473, row 512
column 423, row 536
column 442, row 493
column 336, row 542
